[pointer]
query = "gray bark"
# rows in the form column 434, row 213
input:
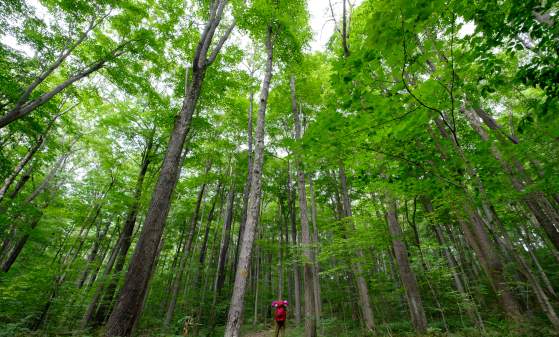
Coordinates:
column 23, row 110
column 309, row 261
column 129, row 305
column 125, row 238
column 407, row 275
column 357, row 269
column 234, row 318
column 185, row 253
column 316, row 241
column 295, row 246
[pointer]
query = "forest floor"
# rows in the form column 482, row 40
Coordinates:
column 259, row 334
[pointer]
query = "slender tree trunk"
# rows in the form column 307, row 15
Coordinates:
column 204, row 245
column 471, row 308
column 88, row 316
column 316, row 269
column 357, row 269
column 129, row 305
column 247, row 182
column 407, row 275
column 479, row 241
column 530, row 247
column 536, row 201
column 281, row 220
column 185, row 254
column 256, row 277
column 92, row 254
column 526, row 271
column 22, row 110
column 309, row 262
column 23, row 240
column 16, row 250
column 26, row 159
column 125, row 238
column 234, row 318
column 100, row 260
column 222, row 254
column 294, row 247
column 58, row 61
column 225, row 239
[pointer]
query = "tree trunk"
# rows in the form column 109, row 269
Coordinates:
column 204, row 245
column 88, row 316
column 222, row 255
column 357, row 269
column 187, row 246
column 22, row 109
column 129, row 305
column 19, row 245
column 234, row 318
column 471, row 308
column 247, row 182
column 281, row 219
column 57, row 62
column 125, row 238
column 93, row 254
column 256, row 276
column 16, row 250
column 316, row 241
column 23, row 162
column 407, row 275
column 530, row 247
column 477, row 238
column 536, row 201
column 309, row 262
column 294, row 247
column 526, row 271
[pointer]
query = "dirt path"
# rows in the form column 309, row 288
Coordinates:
column 259, row 334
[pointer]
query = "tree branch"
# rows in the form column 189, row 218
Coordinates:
column 219, row 45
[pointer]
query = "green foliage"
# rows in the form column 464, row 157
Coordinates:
column 443, row 104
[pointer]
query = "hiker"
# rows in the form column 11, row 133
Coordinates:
column 280, row 316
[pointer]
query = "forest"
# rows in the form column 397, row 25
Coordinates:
column 172, row 167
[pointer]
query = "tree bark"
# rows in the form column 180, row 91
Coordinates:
column 125, row 238
column 25, row 160
column 407, row 275
column 294, row 247
column 536, row 201
column 223, row 250
column 129, row 305
column 316, row 241
column 247, row 182
column 281, row 219
column 22, row 110
column 92, row 254
column 309, row 262
column 204, row 245
column 479, row 241
column 88, row 316
column 471, row 307
column 357, row 269
column 16, row 250
column 234, row 318
column 187, row 247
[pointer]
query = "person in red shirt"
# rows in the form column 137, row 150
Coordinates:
column 279, row 316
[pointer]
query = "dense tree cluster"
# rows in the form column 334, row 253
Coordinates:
column 171, row 167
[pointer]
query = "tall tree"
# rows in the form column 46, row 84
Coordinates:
column 128, row 307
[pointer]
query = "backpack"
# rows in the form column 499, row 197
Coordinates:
column 280, row 314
